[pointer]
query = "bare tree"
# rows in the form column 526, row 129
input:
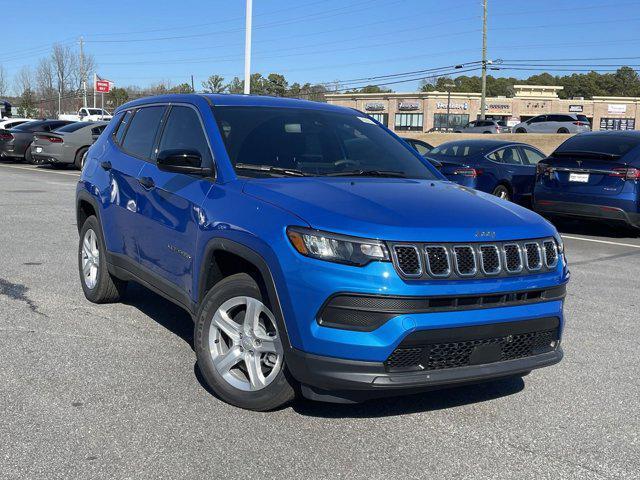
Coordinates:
column 3, row 82
column 23, row 81
column 45, row 79
column 64, row 63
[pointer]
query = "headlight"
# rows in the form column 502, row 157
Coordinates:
column 333, row 247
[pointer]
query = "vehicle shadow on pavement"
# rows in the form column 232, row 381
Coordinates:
column 162, row 311
column 595, row 228
column 416, row 403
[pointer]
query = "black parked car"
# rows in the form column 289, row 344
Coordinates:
column 15, row 142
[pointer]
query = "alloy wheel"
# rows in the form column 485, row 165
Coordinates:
column 244, row 344
column 90, row 258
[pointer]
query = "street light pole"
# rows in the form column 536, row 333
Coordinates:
column 247, row 49
column 483, row 100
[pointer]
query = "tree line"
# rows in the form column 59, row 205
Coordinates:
column 625, row 82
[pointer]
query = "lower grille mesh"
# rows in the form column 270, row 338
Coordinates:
column 439, row 356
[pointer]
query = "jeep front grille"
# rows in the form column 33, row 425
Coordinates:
column 475, row 260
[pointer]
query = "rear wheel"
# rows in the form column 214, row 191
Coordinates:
column 563, row 130
column 501, row 191
column 98, row 285
column 239, row 347
column 521, row 130
column 81, row 156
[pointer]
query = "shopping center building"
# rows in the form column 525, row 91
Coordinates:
column 427, row 111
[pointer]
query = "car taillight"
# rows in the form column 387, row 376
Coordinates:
column 468, row 172
column 581, row 124
column 5, row 136
column 626, row 173
column 54, row 139
column 543, row 169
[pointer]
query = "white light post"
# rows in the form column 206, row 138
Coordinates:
column 247, row 50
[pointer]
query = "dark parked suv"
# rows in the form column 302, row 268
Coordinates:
column 315, row 250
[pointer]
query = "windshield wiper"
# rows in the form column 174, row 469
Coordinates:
column 368, row 173
column 586, row 154
column 294, row 172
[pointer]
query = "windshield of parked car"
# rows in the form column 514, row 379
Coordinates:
column 458, row 149
column 309, row 142
column 72, row 127
column 97, row 111
column 613, row 145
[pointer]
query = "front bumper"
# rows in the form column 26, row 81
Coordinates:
column 339, row 380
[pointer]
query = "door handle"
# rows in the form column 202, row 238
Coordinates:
column 106, row 165
column 147, row 182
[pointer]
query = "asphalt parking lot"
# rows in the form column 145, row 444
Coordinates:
column 111, row 391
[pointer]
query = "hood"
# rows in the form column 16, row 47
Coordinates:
column 400, row 209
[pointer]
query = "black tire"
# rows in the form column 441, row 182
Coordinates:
column 108, row 289
column 79, row 160
column 502, row 191
column 277, row 393
column 563, row 130
column 28, row 157
column 521, row 130
column 486, row 132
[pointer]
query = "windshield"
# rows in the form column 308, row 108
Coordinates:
column 616, row 145
column 72, row 127
column 313, row 142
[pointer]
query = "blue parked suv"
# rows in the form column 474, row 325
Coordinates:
column 315, row 250
column 592, row 175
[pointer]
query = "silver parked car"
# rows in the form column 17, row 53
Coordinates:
column 555, row 123
column 484, row 126
column 67, row 145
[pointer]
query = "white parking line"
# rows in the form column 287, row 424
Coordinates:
column 31, row 169
column 601, row 241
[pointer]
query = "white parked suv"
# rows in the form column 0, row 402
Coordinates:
column 555, row 123
column 9, row 123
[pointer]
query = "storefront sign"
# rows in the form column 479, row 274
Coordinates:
column 617, row 124
column 576, row 108
column 499, row 106
column 538, row 105
column 617, row 108
column 374, row 106
column 452, row 106
column 408, row 105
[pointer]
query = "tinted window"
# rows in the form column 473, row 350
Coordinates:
column 318, row 142
column 508, row 155
column 454, row 149
column 141, row 133
column 583, row 118
column 72, row 127
column 531, row 156
column 606, row 144
column 184, row 131
column 98, row 130
column 122, row 126
column 421, row 148
column 30, row 126
column 541, row 118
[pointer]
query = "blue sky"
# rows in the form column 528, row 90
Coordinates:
column 146, row 41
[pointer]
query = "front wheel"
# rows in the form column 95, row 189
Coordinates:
column 239, row 346
column 521, row 130
column 502, row 192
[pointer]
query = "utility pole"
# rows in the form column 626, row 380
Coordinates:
column 193, row 90
column 83, row 74
column 483, row 100
column 247, row 49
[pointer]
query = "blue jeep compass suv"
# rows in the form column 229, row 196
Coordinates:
column 315, row 250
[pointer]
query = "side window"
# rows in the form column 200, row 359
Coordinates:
column 510, row 155
column 98, row 130
column 531, row 156
column 496, row 156
column 118, row 134
column 141, row 134
column 184, row 132
column 538, row 119
column 422, row 150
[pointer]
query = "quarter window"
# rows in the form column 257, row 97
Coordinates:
column 184, row 132
column 122, row 127
column 531, row 156
column 141, row 134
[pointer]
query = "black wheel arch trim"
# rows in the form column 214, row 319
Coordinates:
column 256, row 259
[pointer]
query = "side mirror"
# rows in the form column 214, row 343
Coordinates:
column 182, row 161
